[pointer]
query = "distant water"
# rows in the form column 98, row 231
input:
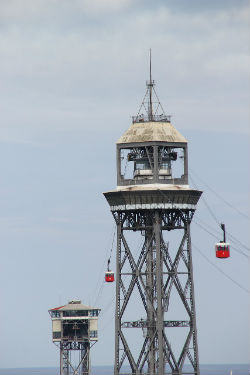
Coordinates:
column 224, row 369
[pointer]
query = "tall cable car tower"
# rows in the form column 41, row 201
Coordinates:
column 153, row 206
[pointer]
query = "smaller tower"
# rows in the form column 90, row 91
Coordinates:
column 74, row 329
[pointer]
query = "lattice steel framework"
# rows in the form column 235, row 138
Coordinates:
column 68, row 365
column 155, row 273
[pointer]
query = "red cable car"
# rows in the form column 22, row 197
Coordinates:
column 109, row 275
column 222, row 248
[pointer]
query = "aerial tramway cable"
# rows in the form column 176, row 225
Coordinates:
column 100, row 278
column 212, row 234
column 220, row 270
column 110, row 303
column 109, row 275
column 221, row 198
column 235, row 240
column 232, row 238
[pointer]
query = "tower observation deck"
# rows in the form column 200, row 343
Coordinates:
column 153, row 206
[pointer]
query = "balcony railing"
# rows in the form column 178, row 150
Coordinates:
column 153, row 118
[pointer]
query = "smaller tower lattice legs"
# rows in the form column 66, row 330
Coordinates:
column 85, row 359
column 64, row 360
column 69, row 365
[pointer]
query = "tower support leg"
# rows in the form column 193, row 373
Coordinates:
column 71, row 366
column 150, row 300
column 117, row 308
column 64, row 360
column 159, row 292
column 192, row 299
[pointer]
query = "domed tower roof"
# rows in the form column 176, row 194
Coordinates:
column 151, row 124
column 150, row 132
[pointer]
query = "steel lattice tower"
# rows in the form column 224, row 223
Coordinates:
column 154, row 285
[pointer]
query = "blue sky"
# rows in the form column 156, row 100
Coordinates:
column 72, row 75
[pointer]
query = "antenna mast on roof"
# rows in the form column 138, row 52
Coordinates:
column 150, row 85
column 151, row 103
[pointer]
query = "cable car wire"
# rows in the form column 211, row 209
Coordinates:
column 111, row 250
column 108, row 306
column 212, row 234
column 221, row 198
column 233, row 238
column 209, row 226
column 205, row 202
column 220, row 270
column 100, row 278
column 110, row 303
column 109, row 320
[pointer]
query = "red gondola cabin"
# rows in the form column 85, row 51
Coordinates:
column 222, row 250
column 109, row 277
column 222, row 247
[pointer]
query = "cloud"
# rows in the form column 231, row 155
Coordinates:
column 64, row 65
column 72, row 73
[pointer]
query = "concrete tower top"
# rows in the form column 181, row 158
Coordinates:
column 151, row 132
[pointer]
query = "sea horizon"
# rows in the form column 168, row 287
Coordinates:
column 205, row 369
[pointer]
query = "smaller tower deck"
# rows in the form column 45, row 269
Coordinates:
column 74, row 328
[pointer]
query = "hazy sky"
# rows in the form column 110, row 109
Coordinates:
column 72, row 74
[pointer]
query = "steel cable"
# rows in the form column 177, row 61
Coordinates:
column 220, row 270
column 221, row 198
column 101, row 270
column 212, row 234
column 233, row 238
